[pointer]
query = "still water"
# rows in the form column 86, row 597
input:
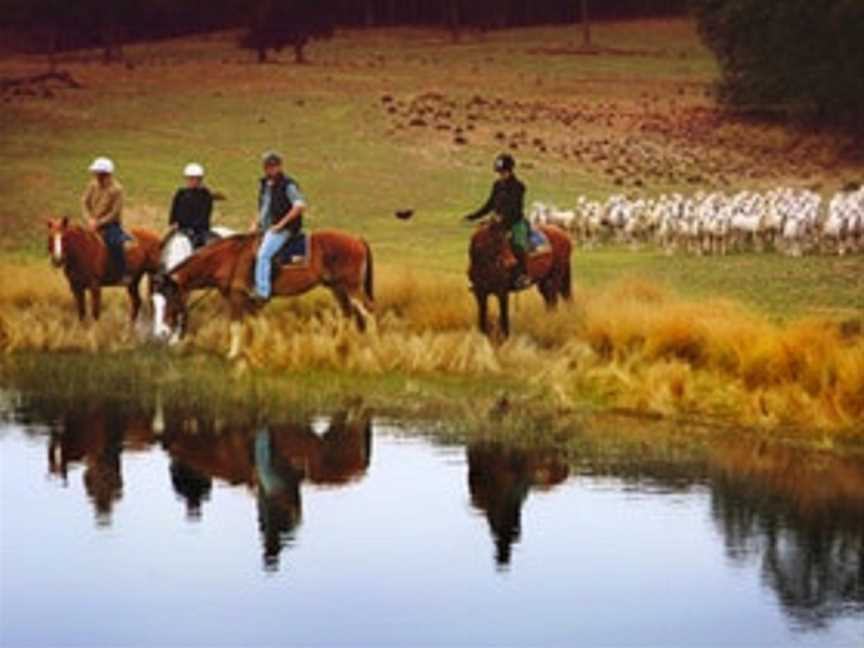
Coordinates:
column 120, row 526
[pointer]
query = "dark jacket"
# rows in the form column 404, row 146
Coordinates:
column 280, row 203
column 507, row 200
column 191, row 209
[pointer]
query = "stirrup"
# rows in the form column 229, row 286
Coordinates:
column 522, row 282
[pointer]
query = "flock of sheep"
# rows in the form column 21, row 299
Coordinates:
column 792, row 221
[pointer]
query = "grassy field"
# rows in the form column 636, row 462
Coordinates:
column 394, row 119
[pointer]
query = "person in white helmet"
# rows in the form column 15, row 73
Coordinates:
column 102, row 207
column 193, row 206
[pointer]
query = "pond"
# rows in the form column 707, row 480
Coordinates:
column 127, row 526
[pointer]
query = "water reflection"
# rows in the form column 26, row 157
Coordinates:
column 802, row 517
column 271, row 460
column 95, row 436
column 500, row 478
column 795, row 516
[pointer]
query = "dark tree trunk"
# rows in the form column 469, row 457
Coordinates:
column 586, row 24
column 454, row 19
column 299, row 56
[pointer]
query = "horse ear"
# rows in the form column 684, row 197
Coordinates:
column 65, row 222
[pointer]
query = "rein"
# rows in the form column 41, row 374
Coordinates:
column 200, row 299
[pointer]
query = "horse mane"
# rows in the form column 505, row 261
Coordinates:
column 212, row 249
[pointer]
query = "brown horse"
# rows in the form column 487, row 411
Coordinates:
column 83, row 255
column 338, row 261
column 492, row 264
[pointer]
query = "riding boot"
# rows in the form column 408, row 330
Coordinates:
column 521, row 280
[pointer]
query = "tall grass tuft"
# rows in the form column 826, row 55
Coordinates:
column 632, row 345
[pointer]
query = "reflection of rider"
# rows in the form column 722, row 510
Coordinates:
column 192, row 206
column 193, row 486
column 102, row 205
column 280, row 217
column 278, row 498
column 499, row 479
column 96, row 440
column 507, row 200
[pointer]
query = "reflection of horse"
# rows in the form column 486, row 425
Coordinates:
column 337, row 261
column 273, row 460
column 96, row 438
column 500, row 479
column 84, row 258
column 492, row 264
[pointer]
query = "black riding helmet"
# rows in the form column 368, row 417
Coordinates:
column 504, row 162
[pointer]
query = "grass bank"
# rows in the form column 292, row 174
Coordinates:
column 628, row 345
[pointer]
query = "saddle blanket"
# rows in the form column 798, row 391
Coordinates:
column 538, row 242
column 294, row 252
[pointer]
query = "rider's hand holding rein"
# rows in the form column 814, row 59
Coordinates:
column 295, row 213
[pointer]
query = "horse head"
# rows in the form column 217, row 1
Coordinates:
column 169, row 308
column 57, row 230
column 490, row 254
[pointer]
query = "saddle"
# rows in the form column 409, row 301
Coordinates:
column 295, row 252
column 538, row 243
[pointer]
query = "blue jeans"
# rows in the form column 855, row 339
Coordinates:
column 114, row 238
column 272, row 243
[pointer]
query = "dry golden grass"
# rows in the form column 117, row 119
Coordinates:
column 632, row 344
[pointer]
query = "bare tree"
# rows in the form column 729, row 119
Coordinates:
column 586, row 24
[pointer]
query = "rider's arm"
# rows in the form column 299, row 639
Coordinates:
column 298, row 206
column 174, row 219
column 86, row 208
column 487, row 208
column 208, row 210
column 112, row 211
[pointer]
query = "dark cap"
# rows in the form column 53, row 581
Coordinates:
column 270, row 158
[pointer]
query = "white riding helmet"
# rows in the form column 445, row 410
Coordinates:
column 193, row 170
column 102, row 165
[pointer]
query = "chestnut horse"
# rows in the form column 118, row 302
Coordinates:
column 336, row 260
column 83, row 255
column 492, row 264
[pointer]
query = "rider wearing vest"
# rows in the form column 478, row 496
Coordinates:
column 280, row 217
column 193, row 206
column 507, row 200
column 102, row 207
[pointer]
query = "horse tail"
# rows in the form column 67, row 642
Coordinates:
column 567, row 280
column 566, row 275
column 369, row 279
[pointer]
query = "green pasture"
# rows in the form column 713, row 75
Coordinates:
column 204, row 99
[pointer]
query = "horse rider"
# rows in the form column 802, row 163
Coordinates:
column 507, row 201
column 192, row 207
column 280, row 218
column 102, row 206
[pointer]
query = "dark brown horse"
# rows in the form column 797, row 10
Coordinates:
column 500, row 479
column 83, row 255
column 338, row 261
column 492, row 263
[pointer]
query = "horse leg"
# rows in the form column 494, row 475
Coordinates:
column 351, row 306
column 80, row 302
column 96, row 301
column 482, row 311
column 237, row 304
column 134, row 299
column 504, row 313
column 549, row 289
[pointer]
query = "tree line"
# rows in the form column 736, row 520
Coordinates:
column 47, row 26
